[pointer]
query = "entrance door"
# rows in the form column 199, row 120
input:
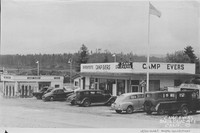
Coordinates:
column 134, row 88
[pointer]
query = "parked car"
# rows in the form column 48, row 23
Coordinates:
column 72, row 99
column 87, row 97
column 56, row 94
column 128, row 102
column 152, row 99
column 184, row 103
column 39, row 94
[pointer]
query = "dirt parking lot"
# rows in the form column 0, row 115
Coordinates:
column 33, row 113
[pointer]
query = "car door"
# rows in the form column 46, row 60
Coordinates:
column 140, row 99
column 60, row 95
column 133, row 99
column 99, row 97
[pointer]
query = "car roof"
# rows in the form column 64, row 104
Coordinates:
column 87, row 90
column 132, row 93
column 57, row 89
column 154, row 92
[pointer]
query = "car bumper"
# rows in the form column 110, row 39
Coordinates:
column 115, row 106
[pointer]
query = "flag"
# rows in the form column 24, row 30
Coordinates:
column 153, row 10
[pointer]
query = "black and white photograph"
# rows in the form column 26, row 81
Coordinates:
column 100, row 66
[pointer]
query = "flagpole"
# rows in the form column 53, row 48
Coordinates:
column 148, row 45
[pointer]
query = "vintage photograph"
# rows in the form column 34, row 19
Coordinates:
column 97, row 64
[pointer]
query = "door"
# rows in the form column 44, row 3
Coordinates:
column 134, row 101
column 140, row 98
column 60, row 95
column 100, row 97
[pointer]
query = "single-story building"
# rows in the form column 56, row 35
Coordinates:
column 24, row 86
column 117, row 78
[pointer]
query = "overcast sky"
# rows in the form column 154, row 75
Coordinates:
column 62, row 26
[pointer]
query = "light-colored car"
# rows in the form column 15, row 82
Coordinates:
column 128, row 102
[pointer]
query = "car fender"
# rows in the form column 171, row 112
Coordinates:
column 111, row 98
column 86, row 98
column 125, row 105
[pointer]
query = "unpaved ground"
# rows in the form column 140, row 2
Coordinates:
column 33, row 113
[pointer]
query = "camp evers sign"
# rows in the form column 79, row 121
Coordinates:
column 139, row 67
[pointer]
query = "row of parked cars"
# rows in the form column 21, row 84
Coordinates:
column 161, row 102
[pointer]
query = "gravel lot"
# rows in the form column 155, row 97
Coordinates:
column 33, row 113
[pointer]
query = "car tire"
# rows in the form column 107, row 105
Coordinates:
column 161, row 111
column 129, row 110
column 72, row 102
column 119, row 111
column 170, row 113
column 149, row 112
column 184, row 111
column 86, row 103
column 147, row 107
column 51, row 99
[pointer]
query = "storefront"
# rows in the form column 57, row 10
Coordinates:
column 24, row 86
column 118, row 78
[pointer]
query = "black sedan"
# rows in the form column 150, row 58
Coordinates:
column 56, row 94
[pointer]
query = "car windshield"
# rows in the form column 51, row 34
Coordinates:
column 120, row 98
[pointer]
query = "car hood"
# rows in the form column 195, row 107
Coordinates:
column 47, row 94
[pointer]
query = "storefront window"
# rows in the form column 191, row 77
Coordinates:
column 120, row 87
column 92, row 83
column 102, row 84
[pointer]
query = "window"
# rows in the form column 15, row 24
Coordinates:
column 57, row 86
column 172, row 95
column 86, row 93
column 92, row 92
column 148, row 95
column 133, row 97
column 182, row 95
column 140, row 96
column 76, row 83
column 98, row 92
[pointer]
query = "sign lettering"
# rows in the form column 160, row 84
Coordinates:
column 175, row 66
column 151, row 66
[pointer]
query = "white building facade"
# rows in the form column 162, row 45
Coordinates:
column 24, row 86
column 117, row 78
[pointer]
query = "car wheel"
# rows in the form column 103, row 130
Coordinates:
column 119, row 111
column 147, row 107
column 51, row 99
column 149, row 112
column 86, row 103
column 184, row 111
column 129, row 110
column 170, row 113
column 161, row 111
column 72, row 102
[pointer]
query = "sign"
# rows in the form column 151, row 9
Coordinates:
column 33, row 77
column 139, row 67
column 125, row 65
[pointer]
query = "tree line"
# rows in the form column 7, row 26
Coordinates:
column 59, row 64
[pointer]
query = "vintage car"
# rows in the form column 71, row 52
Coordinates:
column 40, row 93
column 87, row 97
column 43, row 91
column 185, row 102
column 128, row 102
column 56, row 94
column 152, row 99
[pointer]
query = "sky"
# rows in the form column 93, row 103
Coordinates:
column 62, row 26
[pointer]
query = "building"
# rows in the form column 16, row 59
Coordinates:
column 24, row 86
column 117, row 78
